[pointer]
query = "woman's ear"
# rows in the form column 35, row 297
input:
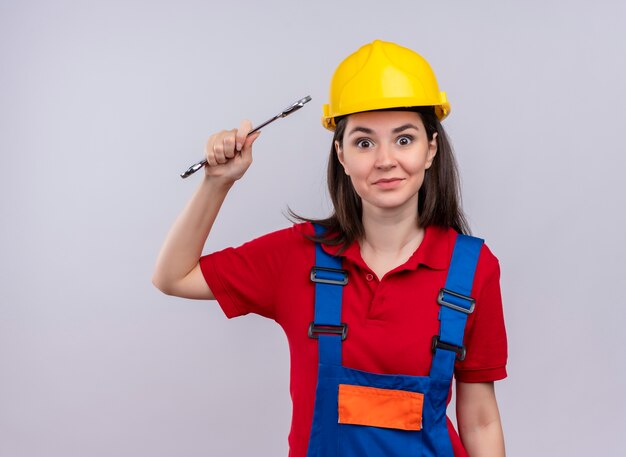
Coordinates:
column 339, row 150
column 432, row 151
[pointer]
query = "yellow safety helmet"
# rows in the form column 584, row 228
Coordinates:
column 383, row 75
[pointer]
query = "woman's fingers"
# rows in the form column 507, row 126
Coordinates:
column 220, row 147
column 242, row 133
column 246, row 151
column 224, row 145
column 229, row 152
column 209, row 151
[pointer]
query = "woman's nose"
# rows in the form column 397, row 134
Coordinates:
column 384, row 158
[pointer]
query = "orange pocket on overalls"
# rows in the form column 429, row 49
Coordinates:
column 387, row 408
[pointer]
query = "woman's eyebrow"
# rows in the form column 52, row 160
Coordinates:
column 361, row 129
column 369, row 131
column 405, row 127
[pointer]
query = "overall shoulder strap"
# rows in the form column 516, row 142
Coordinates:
column 329, row 279
column 456, row 304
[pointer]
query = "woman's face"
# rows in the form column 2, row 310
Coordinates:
column 386, row 154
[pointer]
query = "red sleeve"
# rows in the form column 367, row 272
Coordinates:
column 485, row 334
column 244, row 279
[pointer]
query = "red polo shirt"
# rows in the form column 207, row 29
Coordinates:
column 391, row 319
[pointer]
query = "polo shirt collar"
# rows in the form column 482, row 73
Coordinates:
column 434, row 251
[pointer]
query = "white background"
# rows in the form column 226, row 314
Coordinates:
column 104, row 103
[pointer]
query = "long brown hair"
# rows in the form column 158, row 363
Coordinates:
column 439, row 198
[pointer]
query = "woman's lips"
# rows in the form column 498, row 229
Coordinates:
column 388, row 183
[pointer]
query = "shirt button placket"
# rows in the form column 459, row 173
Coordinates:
column 377, row 298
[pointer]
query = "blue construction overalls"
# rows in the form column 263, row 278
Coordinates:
column 361, row 414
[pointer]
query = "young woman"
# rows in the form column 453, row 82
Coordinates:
column 384, row 301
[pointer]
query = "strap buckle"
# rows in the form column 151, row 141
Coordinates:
column 323, row 329
column 459, row 350
column 325, row 275
column 464, row 310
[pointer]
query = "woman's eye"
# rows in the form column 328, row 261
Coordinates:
column 404, row 140
column 364, row 143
